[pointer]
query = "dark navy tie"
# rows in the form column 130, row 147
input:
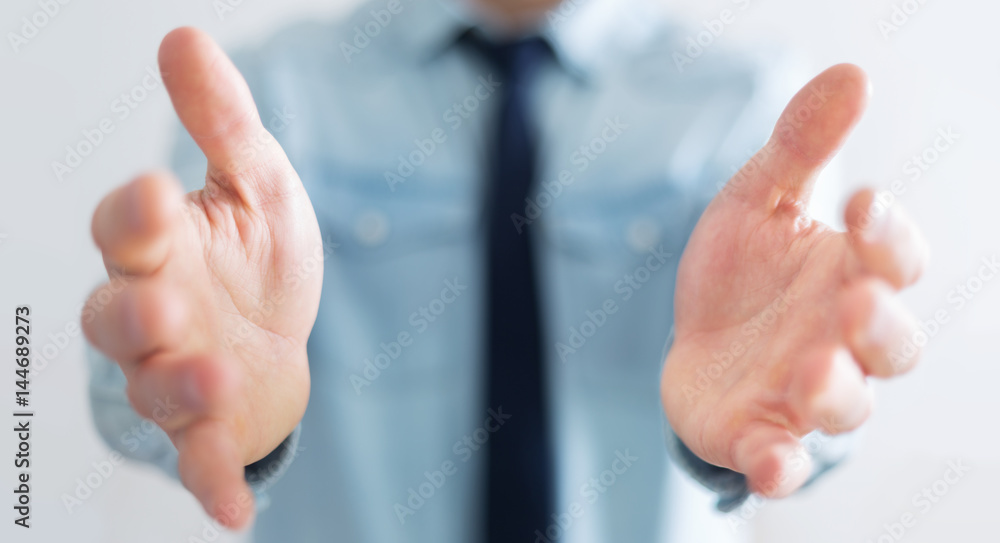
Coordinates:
column 519, row 496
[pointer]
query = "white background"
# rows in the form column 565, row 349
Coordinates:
column 939, row 70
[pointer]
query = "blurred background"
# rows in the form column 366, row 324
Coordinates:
column 935, row 69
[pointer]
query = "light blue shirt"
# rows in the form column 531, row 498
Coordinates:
column 386, row 120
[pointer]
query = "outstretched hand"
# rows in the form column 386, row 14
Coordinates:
column 224, row 286
column 779, row 319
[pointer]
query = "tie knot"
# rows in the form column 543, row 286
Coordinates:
column 516, row 60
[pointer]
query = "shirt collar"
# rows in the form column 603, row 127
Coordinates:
column 582, row 33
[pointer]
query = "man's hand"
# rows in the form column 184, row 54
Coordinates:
column 224, row 285
column 780, row 319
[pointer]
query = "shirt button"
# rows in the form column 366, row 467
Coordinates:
column 371, row 228
column 642, row 235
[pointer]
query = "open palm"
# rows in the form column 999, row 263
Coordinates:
column 779, row 318
column 224, row 285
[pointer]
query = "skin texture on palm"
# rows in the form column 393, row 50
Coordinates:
column 225, row 284
column 779, row 318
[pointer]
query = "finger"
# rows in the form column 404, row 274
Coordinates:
column 173, row 393
column 210, row 466
column 809, row 133
column 886, row 240
column 878, row 329
column 132, row 226
column 773, row 461
column 146, row 316
column 216, row 107
column 830, row 393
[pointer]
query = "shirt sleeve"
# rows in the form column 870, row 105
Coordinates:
column 118, row 424
column 141, row 439
column 731, row 487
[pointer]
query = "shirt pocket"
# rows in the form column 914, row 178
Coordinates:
column 374, row 221
column 615, row 245
column 622, row 222
column 395, row 252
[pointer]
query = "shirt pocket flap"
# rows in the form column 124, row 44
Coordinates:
column 368, row 219
column 613, row 221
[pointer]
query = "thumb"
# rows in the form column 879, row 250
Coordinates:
column 809, row 133
column 773, row 461
column 215, row 106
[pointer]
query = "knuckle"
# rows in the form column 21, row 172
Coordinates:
column 138, row 397
column 96, row 328
column 154, row 314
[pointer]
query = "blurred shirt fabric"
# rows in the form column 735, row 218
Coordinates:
column 389, row 131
